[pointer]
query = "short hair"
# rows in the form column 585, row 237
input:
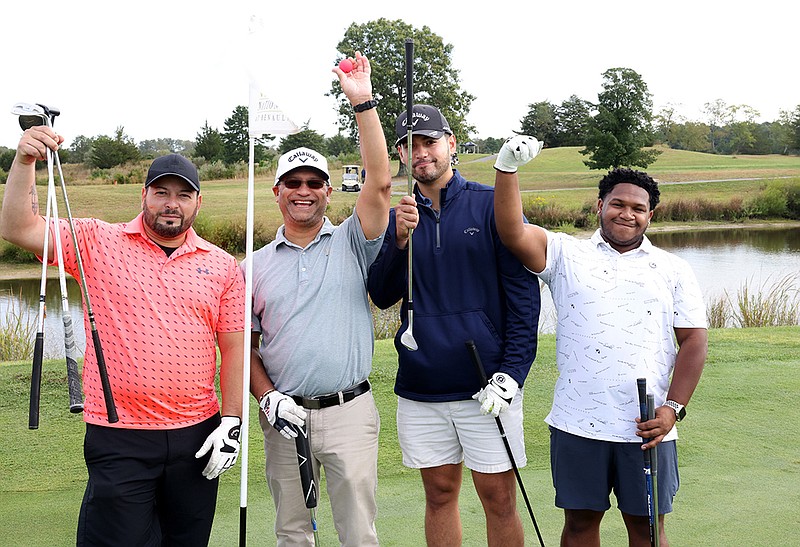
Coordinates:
column 631, row 176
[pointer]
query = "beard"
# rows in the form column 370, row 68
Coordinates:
column 168, row 229
column 429, row 175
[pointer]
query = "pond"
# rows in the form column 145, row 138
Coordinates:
column 723, row 260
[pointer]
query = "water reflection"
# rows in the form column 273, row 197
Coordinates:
column 23, row 294
column 723, row 260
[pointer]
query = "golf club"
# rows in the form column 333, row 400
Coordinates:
column 30, row 116
column 407, row 338
column 307, row 481
column 27, row 119
column 651, row 414
column 26, row 111
column 476, row 359
column 645, row 402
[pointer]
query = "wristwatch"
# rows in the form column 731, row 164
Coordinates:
column 372, row 103
column 680, row 410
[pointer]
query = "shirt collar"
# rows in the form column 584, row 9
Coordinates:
column 327, row 228
column 193, row 241
column 645, row 246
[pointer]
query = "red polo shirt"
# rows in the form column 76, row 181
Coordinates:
column 157, row 317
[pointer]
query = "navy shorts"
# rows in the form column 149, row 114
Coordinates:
column 585, row 471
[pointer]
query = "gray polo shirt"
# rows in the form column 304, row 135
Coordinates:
column 311, row 307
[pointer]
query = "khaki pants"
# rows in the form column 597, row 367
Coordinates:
column 344, row 440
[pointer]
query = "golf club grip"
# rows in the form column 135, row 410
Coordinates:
column 36, row 381
column 476, row 360
column 111, row 408
column 409, row 82
column 73, row 377
column 641, row 386
column 306, row 469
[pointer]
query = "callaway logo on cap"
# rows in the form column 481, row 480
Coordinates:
column 426, row 120
column 301, row 157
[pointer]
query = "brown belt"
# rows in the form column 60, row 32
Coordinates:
column 334, row 399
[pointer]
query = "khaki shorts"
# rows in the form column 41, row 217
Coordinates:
column 434, row 434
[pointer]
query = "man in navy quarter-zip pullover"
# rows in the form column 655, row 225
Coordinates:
column 466, row 286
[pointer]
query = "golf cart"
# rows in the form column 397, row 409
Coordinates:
column 351, row 178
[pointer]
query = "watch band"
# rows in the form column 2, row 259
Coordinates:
column 680, row 410
column 372, row 103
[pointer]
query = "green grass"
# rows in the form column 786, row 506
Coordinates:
column 558, row 175
column 740, row 464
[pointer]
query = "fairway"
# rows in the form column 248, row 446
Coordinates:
column 739, row 459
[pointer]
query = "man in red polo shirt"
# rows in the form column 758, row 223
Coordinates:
column 163, row 299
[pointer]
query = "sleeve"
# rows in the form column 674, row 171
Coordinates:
column 231, row 301
column 522, row 314
column 388, row 275
column 690, row 310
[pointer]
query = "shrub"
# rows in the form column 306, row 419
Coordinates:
column 770, row 203
column 231, row 235
column 16, row 255
column 551, row 215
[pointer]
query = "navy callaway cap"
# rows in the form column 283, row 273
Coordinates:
column 427, row 120
column 175, row 165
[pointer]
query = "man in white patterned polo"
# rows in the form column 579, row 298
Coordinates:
column 626, row 310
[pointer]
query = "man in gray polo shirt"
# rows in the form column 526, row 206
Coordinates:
column 313, row 332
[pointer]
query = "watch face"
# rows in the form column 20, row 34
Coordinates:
column 681, row 413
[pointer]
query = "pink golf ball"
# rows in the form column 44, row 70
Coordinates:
column 346, row 65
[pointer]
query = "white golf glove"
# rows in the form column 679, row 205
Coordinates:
column 497, row 395
column 224, row 445
column 516, row 152
column 281, row 410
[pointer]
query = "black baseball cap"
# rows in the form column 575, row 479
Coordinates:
column 427, row 120
column 176, row 165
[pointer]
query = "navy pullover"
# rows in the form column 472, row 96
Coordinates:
column 467, row 286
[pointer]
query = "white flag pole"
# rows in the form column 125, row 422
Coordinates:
column 248, row 312
column 264, row 117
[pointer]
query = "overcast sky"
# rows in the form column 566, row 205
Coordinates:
column 163, row 68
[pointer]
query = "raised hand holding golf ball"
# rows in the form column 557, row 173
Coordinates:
column 355, row 82
column 516, row 152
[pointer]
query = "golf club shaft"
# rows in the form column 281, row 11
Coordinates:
column 409, row 45
column 651, row 414
column 70, row 346
column 644, row 413
column 38, row 347
column 476, row 359
column 111, row 409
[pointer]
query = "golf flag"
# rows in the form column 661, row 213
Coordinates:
column 266, row 117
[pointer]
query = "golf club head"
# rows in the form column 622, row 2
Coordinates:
column 407, row 338
column 30, row 115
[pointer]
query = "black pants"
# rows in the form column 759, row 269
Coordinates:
column 146, row 488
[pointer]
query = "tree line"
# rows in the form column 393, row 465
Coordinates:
column 619, row 128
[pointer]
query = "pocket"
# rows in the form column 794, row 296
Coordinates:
column 443, row 365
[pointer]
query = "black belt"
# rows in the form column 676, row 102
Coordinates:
column 335, row 399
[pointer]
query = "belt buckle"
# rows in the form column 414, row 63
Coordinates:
column 341, row 398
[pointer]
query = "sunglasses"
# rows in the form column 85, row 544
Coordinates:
column 293, row 184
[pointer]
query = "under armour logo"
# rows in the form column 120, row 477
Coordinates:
column 203, row 270
column 472, row 231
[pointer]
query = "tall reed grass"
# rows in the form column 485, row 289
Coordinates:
column 776, row 302
column 17, row 332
